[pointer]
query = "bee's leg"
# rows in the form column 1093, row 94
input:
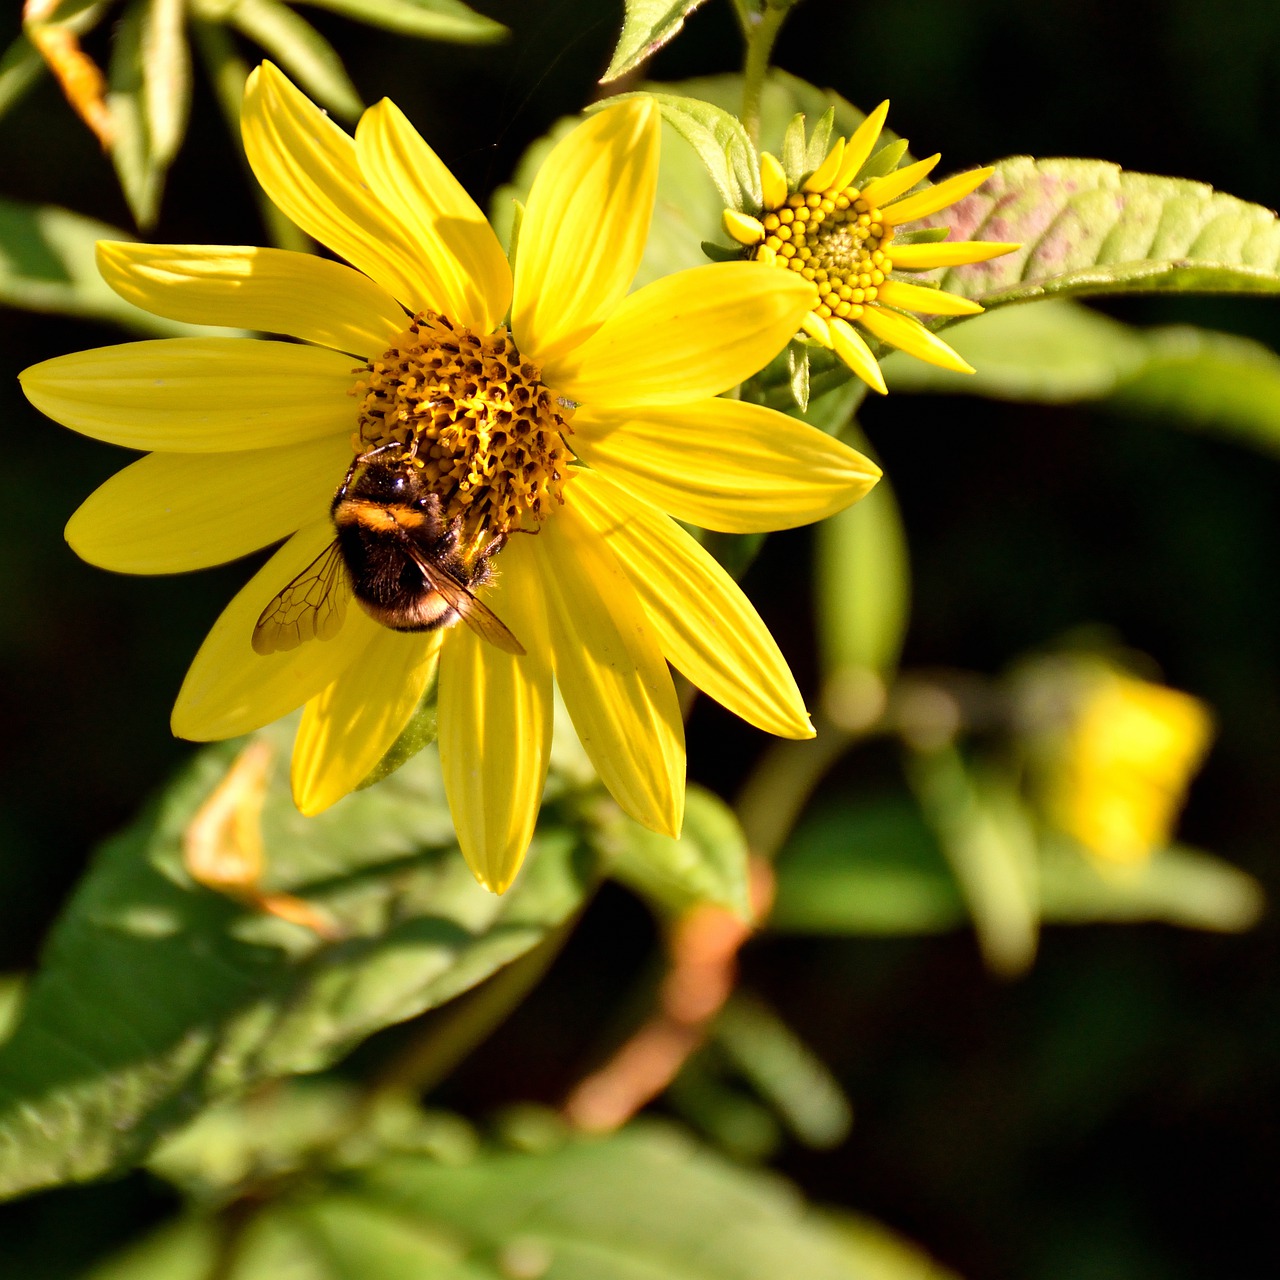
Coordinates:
column 346, row 480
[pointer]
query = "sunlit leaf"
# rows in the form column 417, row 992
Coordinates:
column 166, row 77
column 47, row 264
column 302, row 51
column 13, row 991
column 157, row 995
column 434, row 19
column 708, row 863
column 149, row 96
column 881, row 1254
column 1090, row 227
column 647, row 26
column 645, row 1202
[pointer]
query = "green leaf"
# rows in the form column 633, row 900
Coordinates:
column 784, row 1071
column 433, row 19
column 721, row 143
column 863, row 590
column 880, row 1254
column 302, row 51
column 1180, row 886
column 988, row 838
column 868, row 867
column 47, row 264
column 874, row 867
column 13, row 991
column 1051, row 354
column 646, row 27
column 187, row 1249
column 1061, row 352
column 708, row 863
column 166, row 78
column 140, row 168
column 1089, row 227
column 795, row 154
column 20, row 69
column 644, row 1203
column 157, row 995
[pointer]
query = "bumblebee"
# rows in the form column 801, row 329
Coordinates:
column 395, row 552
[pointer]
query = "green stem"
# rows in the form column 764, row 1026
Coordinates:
column 227, row 72
column 760, row 36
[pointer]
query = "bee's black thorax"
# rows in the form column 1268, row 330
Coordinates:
column 386, row 523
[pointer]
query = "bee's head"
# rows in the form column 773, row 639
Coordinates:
column 395, row 481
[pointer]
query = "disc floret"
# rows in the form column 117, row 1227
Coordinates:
column 477, row 418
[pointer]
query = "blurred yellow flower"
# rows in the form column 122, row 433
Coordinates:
column 840, row 236
column 1131, row 750
column 589, row 416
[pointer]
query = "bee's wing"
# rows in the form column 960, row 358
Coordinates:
column 479, row 617
column 312, row 606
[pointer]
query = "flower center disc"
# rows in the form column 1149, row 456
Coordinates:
column 485, row 430
column 837, row 240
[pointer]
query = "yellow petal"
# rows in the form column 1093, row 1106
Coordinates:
column 881, row 190
column 584, row 229
column 773, row 181
column 307, row 165
column 922, row 257
column 742, row 227
column 817, row 328
column 939, row 196
column 457, row 252
column 909, row 335
column 230, row 689
column 853, row 350
column 857, row 151
column 197, row 395
column 611, row 672
column 707, row 628
column 726, row 464
column 495, row 724
column 270, row 290
column 354, row 721
column 172, row 512
column 824, row 175
column 686, row 336
column 929, row 302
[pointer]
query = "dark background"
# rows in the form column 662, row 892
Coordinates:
column 1114, row 1114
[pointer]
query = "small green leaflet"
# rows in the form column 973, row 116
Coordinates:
column 647, row 26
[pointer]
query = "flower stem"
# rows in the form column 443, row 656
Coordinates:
column 761, row 31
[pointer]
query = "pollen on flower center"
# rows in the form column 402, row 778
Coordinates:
column 836, row 239
column 486, row 431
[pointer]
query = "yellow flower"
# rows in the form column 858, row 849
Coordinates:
column 589, row 417
column 1132, row 748
column 840, row 236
